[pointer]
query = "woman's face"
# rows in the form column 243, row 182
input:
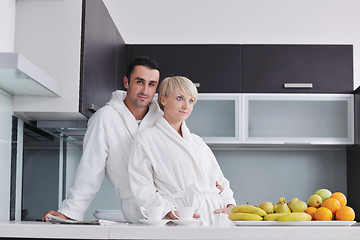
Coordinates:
column 177, row 106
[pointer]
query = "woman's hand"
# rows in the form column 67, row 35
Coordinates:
column 226, row 210
column 170, row 215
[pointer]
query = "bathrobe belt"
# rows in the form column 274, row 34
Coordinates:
column 192, row 190
column 180, row 194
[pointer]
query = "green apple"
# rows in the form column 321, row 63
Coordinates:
column 315, row 201
column 323, row 193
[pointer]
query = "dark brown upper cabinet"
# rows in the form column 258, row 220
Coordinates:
column 104, row 57
column 216, row 68
column 297, row 68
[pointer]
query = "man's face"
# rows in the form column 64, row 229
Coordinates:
column 142, row 86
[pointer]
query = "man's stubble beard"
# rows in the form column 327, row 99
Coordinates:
column 142, row 103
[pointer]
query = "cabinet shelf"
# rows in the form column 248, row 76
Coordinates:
column 20, row 77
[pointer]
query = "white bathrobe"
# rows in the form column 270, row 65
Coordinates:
column 168, row 170
column 107, row 143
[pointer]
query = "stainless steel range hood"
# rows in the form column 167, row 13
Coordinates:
column 20, row 77
column 71, row 130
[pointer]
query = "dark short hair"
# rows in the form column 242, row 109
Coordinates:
column 142, row 61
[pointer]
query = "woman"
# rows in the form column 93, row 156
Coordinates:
column 171, row 167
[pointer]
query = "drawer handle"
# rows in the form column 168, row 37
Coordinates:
column 197, row 84
column 298, row 85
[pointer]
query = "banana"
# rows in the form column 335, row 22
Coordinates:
column 248, row 209
column 273, row 216
column 294, row 217
column 244, row 217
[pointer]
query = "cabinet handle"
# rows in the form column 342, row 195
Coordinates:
column 298, row 85
column 197, row 84
column 93, row 108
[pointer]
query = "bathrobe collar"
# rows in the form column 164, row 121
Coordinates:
column 173, row 134
column 117, row 102
column 186, row 141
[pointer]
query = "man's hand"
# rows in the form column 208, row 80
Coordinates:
column 170, row 215
column 54, row 213
column 226, row 210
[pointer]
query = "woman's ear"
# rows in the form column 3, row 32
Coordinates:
column 162, row 100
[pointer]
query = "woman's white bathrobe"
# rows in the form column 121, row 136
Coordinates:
column 107, row 143
column 168, row 170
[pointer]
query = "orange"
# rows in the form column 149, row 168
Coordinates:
column 340, row 197
column 311, row 211
column 323, row 214
column 332, row 204
column 345, row 213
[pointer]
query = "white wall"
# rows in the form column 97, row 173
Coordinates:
column 48, row 33
column 7, row 28
column 7, row 25
column 240, row 22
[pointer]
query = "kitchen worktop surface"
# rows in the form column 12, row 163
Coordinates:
column 13, row 229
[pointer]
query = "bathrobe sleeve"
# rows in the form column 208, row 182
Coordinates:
column 142, row 181
column 91, row 170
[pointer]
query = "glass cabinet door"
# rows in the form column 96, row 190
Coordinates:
column 215, row 118
column 298, row 118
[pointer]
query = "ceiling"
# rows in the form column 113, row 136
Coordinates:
column 236, row 21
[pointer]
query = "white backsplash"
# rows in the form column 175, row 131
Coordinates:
column 266, row 175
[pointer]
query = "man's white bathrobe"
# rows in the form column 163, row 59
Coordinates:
column 107, row 143
column 168, row 170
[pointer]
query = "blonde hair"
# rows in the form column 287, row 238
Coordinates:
column 173, row 84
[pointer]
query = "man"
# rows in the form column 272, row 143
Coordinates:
column 107, row 142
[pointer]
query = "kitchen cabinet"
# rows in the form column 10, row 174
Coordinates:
column 216, row 118
column 298, row 119
column 297, row 68
column 103, row 57
column 18, row 76
column 77, row 44
column 251, row 119
column 215, row 68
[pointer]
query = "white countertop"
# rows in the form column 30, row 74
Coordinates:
column 133, row 231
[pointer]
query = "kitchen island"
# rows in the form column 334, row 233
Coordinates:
column 42, row 230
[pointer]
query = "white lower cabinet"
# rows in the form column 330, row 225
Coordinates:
column 216, row 118
column 298, row 119
column 248, row 119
